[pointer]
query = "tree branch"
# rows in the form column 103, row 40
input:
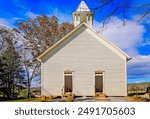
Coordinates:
column 104, row 4
column 147, row 12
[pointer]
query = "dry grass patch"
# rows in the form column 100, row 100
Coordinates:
column 137, row 99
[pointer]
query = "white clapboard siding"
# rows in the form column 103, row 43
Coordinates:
column 83, row 54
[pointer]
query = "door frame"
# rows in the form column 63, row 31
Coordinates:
column 67, row 73
column 99, row 73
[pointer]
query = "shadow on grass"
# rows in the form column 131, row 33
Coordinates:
column 132, row 94
column 11, row 99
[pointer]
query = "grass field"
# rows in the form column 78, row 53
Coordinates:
column 138, row 87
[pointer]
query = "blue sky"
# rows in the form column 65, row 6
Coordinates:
column 134, row 38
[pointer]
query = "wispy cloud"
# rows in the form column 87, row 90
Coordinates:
column 63, row 17
column 9, row 23
column 139, row 66
column 31, row 15
column 147, row 42
column 126, row 37
column 138, row 80
column 5, row 23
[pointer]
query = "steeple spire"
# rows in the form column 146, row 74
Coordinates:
column 83, row 14
column 83, row 7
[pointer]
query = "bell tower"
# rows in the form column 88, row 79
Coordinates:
column 83, row 14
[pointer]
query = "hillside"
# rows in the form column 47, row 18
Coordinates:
column 138, row 87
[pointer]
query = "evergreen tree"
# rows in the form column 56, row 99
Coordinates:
column 11, row 70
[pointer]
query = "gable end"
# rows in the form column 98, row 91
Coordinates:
column 103, row 40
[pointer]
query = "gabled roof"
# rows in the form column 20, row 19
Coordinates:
column 83, row 7
column 95, row 34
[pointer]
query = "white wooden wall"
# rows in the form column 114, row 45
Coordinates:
column 83, row 54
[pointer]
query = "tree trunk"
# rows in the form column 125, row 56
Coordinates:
column 13, row 87
column 19, row 91
column 28, row 88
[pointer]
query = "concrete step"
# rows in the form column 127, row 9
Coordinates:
column 68, row 97
column 68, row 94
column 99, row 94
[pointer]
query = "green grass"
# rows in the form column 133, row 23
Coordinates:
column 21, row 100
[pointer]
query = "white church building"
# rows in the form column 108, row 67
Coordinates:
column 83, row 62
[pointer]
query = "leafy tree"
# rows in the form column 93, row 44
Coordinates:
column 40, row 34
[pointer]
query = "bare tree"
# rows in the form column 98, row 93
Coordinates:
column 122, row 8
column 4, row 33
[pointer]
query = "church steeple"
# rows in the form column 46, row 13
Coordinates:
column 83, row 7
column 83, row 14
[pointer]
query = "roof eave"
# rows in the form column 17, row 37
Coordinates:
column 129, row 58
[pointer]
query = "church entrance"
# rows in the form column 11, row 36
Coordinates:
column 68, row 81
column 98, row 81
